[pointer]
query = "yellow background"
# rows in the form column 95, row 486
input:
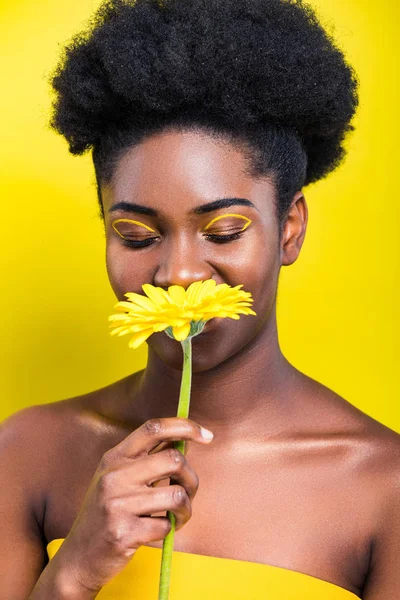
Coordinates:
column 337, row 305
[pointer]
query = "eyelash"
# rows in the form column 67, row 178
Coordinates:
column 218, row 239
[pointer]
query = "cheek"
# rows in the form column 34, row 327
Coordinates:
column 257, row 268
column 125, row 274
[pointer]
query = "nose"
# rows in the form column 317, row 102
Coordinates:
column 182, row 264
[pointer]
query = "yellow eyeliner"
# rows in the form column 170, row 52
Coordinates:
column 129, row 221
column 205, row 229
column 229, row 215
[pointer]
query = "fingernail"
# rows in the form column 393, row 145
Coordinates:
column 206, row 433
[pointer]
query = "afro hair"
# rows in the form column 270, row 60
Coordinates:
column 261, row 73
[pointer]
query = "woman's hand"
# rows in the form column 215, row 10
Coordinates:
column 114, row 519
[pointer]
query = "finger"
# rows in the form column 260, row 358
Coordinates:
column 149, row 435
column 153, row 529
column 162, row 446
column 157, row 467
column 170, row 498
column 165, row 445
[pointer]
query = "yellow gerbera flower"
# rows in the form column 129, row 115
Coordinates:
column 178, row 312
column 182, row 314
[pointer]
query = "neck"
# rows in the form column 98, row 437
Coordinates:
column 248, row 392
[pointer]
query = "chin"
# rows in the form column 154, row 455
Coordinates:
column 208, row 350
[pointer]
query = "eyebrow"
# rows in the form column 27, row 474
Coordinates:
column 130, row 207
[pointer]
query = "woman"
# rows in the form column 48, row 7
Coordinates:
column 197, row 109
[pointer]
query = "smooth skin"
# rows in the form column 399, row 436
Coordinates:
column 295, row 476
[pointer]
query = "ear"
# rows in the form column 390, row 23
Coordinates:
column 294, row 229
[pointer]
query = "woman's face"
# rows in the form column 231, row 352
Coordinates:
column 169, row 185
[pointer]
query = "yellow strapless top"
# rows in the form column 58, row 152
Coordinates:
column 195, row 577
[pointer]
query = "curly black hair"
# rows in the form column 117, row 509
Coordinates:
column 262, row 74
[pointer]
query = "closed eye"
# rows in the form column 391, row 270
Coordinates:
column 212, row 237
column 221, row 239
column 138, row 243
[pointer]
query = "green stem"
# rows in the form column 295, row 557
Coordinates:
column 183, row 411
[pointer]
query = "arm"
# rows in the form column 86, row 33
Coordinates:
column 383, row 579
column 23, row 557
column 57, row 581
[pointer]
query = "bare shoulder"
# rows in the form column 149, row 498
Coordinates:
column 370, row 449
column 24, row 440
column 340, row 415
column 375, row 485
column 27, row 440
column 47, row 455
column 381, row 448
column 35, row 434
column 24, row 433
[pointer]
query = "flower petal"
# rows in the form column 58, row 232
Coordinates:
column 181, row 333
column 139, row 300
column 120, row 317
column 119, row 331
column 126, row 306
column 155, row 294
column 206, row 289
column 160, row 326
column 138, row 338
column 191, row 292
column 177, row 294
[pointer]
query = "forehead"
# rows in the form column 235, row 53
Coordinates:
column 174, row 172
